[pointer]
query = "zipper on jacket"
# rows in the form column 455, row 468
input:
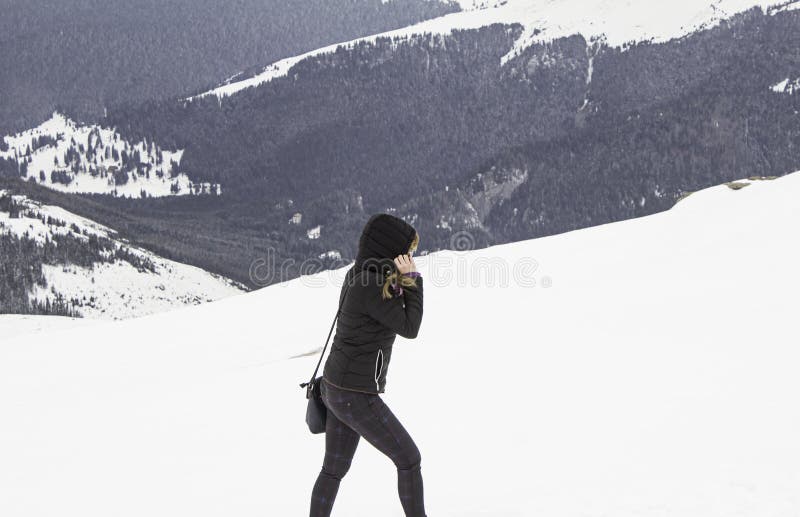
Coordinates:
column 378, row 358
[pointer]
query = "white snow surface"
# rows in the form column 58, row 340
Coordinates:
column 617, row 23
column 21, row 324
column 314, row 233
column 787, row 86
column 656, row 375
column 113, row 290
column 164, row 179
column 790, row 5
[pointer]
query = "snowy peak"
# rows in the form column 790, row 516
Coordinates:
column 66, row 156
column 620, row 23
column 617, row 23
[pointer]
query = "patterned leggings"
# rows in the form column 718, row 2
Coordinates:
column 351, row 415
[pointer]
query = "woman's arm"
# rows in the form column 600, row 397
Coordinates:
column 402, row 318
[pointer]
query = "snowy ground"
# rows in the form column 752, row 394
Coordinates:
column 12, row 325
column 650, row 369
column 618, row 23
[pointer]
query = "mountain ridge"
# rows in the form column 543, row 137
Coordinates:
column 568, row 134
column 55, row 262
column 617, row 23
column 81, row 56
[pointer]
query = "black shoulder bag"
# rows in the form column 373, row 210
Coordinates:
column 316, row 412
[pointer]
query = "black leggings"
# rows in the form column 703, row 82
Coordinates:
column 351, row 415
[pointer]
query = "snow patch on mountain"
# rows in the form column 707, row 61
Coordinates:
column 791, row 5
column 124, row 280
column 66, row 156
column 31, row 220
column 787, row 86
column 118, row 290
column 473, row 5
column 314, row 233
column 621, row 23
column 331, row 255
column 617, row 23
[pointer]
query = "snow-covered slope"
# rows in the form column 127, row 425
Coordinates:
column 122, row 281
column 617, row 23
column 649, row 369
column 66, row 156
column 21, row 324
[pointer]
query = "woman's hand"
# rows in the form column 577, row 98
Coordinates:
column 405, row 264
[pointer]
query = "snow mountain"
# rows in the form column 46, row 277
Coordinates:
column 646, row 367
column 66, row 156
column 63, row 55
column 56, row 262
column 507, row 120
column 616, row 23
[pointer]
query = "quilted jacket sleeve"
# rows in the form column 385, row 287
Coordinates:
column 401, row 314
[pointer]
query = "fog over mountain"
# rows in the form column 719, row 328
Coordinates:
column 84, row 55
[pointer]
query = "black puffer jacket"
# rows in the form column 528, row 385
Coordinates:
column 368, row 324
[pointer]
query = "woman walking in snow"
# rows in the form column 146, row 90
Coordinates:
column 382, row 296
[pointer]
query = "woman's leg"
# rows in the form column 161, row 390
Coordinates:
column 340, row 446
column 371, row 418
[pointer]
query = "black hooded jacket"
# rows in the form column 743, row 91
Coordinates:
column 368, row 324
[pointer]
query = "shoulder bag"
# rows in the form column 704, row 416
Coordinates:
column 316, row 412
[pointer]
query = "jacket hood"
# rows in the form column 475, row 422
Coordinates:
column 384, row 237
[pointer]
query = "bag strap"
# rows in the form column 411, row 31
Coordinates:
column 310, row 383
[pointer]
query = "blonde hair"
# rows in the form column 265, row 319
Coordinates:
column 395, row 277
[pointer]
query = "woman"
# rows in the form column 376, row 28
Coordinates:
column 382, row 298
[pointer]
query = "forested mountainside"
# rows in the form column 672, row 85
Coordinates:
column 70, row 157
column 469, row 134
column 84, row 55
column 567, row 134
column 54, row 262
column 223, row 237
